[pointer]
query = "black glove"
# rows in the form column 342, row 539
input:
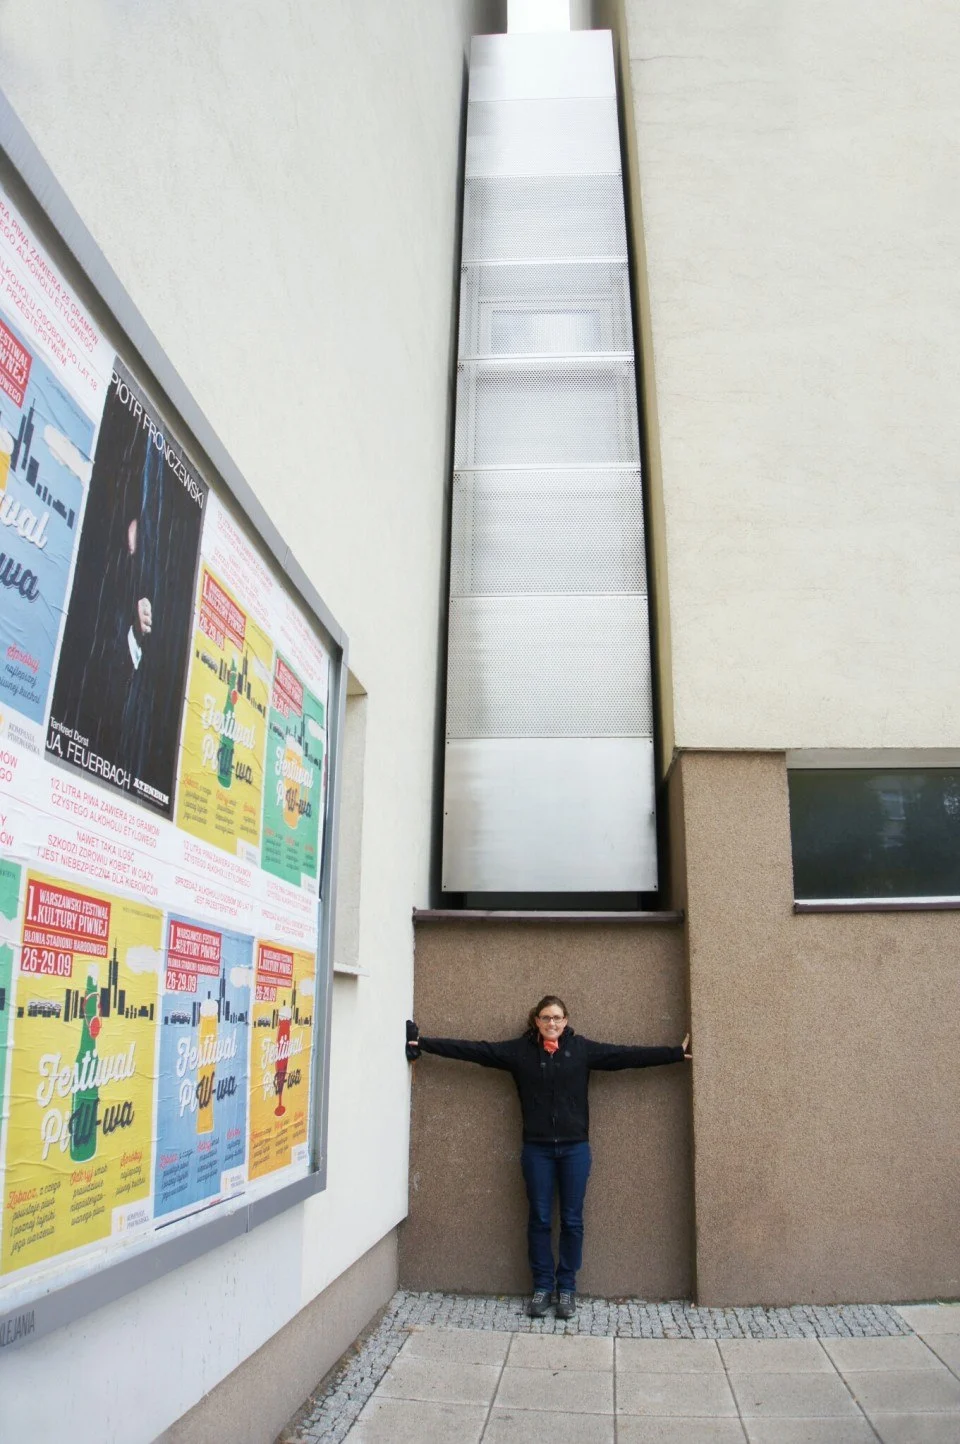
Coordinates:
column 413, row 1041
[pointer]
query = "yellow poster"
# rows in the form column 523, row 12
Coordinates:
column 219, row 796
column 79, row 1150
column 281, row 1050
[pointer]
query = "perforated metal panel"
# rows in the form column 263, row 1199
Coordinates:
column 549, row 779
column 541, row 666
column 543, row 137
column 540, row 532
column 525, row 812
column 512, row 413
column 545, row 310
column 544, row 218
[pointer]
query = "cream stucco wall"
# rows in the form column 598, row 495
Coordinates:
column 800, row 190
column 276, row 186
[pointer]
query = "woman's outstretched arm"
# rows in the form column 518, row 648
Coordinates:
column 488, row 1055
column 609, row 1057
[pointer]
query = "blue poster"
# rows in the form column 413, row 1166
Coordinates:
column 203, row 1066
column 46, row 441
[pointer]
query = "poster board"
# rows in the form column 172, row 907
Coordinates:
column 165, row 759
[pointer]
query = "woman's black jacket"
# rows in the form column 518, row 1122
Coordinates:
column 552, row 1086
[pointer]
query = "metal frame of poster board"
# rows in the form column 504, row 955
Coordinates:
column 29, row 179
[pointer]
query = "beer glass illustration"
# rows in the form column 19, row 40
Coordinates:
column 283, row 1048
column 6, row 448
column 293, row 764
column 206, row 1041
column 83, row 1119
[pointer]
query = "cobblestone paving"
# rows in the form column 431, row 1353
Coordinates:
column 328, row 1415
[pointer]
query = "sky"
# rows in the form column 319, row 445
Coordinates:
column 538, row 15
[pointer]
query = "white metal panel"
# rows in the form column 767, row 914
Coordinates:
column 550, row 815
column 543, row 218
column 537, row 531
column 549, row 666
column 541, row 67
column 547, row 412
column 578, row 136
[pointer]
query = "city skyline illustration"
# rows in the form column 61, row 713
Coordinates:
column 301, row 1020
column 112, row 1000
column 221, row 671
column 226, row 1012
column 21, row 459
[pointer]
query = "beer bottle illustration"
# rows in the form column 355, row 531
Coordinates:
column 86, row 1101
column 283, row 1049
column 225, row 751
column 206, row 1040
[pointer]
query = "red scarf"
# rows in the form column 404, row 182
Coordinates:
column 551, row 1044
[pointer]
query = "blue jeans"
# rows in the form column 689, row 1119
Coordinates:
column 546, row 1166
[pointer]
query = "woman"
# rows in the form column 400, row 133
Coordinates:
column 550, row 1064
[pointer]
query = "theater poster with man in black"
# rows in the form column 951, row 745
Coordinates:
column 119, row 689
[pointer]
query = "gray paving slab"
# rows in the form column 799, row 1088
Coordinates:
column 677, row 1395
column 853, row 1430
column 635, row 1429
column 777, row 1356
column 447, row 1381
column 401, row 1421
column 907, row 1391
column 668, row 1356
column 947, row 1349
column 916, row 1428
column 792, row 1396
column 530, row 1426
column 553, row 1351
column 464, row 1346
column 931, row 1318
column 861, row 1354
column 560, row 1391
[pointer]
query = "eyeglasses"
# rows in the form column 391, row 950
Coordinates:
column 551, row 1018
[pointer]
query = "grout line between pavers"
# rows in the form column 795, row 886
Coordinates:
column 496, row 1391
column 955, row 1371
column 856, row 1402
column 616, row 1422
column 733, row 1392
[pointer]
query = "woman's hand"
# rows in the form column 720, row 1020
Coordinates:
column 412, row 1049
column 685, row 1045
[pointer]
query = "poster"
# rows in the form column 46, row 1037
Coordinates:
column 224, row 733
column 280, row 1054
column 293, row 792
column 204, row 1052
column 79, row 1136
column 9, row 911
column 46, row 442
column 51, row 315
column 118, row 693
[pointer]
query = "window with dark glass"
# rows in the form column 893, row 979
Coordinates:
column 862, row 833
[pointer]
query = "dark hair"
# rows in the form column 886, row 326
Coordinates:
column 550, row 1000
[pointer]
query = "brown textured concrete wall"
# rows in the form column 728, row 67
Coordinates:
column 622, row 983
column 826, row 1083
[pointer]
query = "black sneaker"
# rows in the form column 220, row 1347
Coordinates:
column 538, row 1305
column 566, row 1304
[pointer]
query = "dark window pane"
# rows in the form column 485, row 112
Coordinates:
column 864, row 833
